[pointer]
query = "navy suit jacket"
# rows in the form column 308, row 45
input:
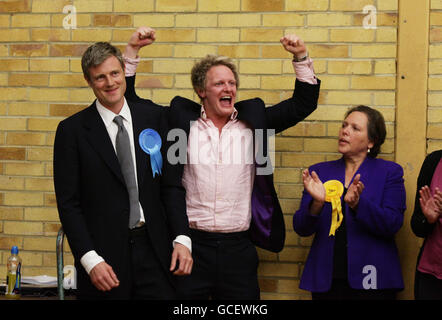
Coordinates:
column 92, row 198
column 267, row 228
column 370, row 230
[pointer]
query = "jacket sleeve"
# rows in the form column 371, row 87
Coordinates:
column 173, row 194
column 67, row 190
column 419, row 224
column 386, row 218
column 289, row 112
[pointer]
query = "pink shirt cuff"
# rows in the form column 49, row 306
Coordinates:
column 304, row 71
column 131, row 65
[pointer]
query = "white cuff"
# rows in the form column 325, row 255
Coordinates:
column 131, row 65
column 184, row 240
column 90, row 259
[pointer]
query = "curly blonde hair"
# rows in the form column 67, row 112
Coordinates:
column 200, row 69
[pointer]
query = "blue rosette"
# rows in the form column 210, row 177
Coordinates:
column 150, row 142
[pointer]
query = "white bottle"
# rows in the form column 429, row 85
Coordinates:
column 13, row 278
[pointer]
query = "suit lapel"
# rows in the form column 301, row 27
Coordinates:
column 142, row 158
column 98, row 137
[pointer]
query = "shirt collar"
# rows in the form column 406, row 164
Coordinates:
column 108, row 116
column 203, row 113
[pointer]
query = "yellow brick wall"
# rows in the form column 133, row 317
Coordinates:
column 41, row 83
column 434, row 129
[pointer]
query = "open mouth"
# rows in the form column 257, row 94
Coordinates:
column 226, row 101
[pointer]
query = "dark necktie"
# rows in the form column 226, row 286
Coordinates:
column 127, row 168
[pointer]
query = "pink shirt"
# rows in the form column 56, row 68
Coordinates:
column 431, row 259
column 220, row 170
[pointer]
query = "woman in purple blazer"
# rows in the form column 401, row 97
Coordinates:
column 354, row 206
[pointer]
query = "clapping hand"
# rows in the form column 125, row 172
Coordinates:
column 354, row 192
column 313, row 185
column 431, row 205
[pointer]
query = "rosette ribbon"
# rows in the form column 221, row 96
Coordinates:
column 150, row 142
column 333, row 192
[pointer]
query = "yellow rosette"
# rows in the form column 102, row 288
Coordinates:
column 333, row 192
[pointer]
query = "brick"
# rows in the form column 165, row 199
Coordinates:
column 97, row 5
column 384, row 98
column 385, row 67
column 39, row 244
column 21, row 198
column 31, row 258
column 30, row 20
column 290, row 286
column 3, row 80
column 155, row 20
column 175, row 35
column 4, row 50
column 133, row 5
column 92, row 35
column 434, row 131
column 15, row 6
column 288, row 144
column 329, row 19
column 307, row 5
column 15, row 35
column 42, row 124
column 10, row 153
column 23, row 228
column 48, row 94
column 386, row 35
column 6, row 242
column 83, row 20
column 260, row 67
column 435, row 18
column 435, row 51
column 278, row 82
column 11, row 213
column 25, row 139
column 250, row 82
column 290, row 175
column 41, row 214
column 344, row 5
column 383, row 19
column 11, row 183
column 51, row 35
column 294, row 254
column 435, row 83
column 285, row 19
column 388, row 5
column 154, row 81
column 261, row 35
column 163, row 96
column 369, row 82
column 435, row 35
column 335, row 82
column 374, row 51
column 27, row 109
column 218, row 5
column 183, row 82
column 50, row 200
column 268, row 269
column 81, row 95
column 269, row 96
column 193, row 51
column 46, row 6
column 306, row 129
column 349, row 67
column 176, row 5
column 218, row 35
column 12, row 124
column 24, row 169
column 320, row 145
column 239, row 20
column 5, row 21
column 51, row 229
column 178, row 66
column 67, row 80
column 352, row 35
column 434, row 99
column 253, row 5
column 299, row 160
column 157, row 50
column 435, row 67
column 239, row 51
column 65, row 110
column 343, row 97
column 52, row 65
column 67, row 50
column 12, row 94
column 40, row 154
column 28, row 80
column 329, row 51
column 13, row 65
column 196, row 20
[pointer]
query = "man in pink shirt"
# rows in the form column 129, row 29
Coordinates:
column 230, row 197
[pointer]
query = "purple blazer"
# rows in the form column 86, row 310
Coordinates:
column 372, row 250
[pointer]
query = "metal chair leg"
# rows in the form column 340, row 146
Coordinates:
column 60, row 264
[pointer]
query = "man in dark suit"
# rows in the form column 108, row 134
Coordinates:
column 231, row 205
column 123, row 212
